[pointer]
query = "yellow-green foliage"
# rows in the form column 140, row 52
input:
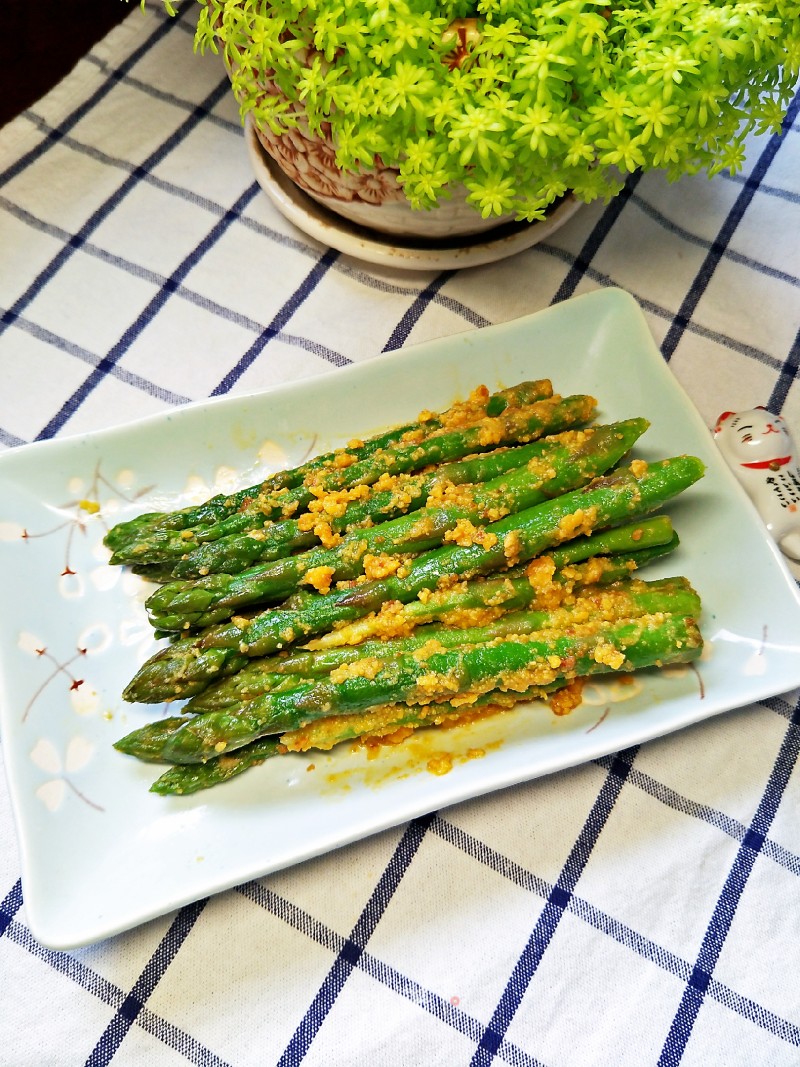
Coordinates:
column 556, row 96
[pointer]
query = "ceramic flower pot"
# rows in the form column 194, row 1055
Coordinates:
column 367, row 215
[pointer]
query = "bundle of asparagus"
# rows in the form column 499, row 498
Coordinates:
column 460, row 563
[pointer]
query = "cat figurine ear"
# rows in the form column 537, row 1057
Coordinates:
column 759, row 449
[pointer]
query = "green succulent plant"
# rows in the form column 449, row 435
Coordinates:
column 520, row 102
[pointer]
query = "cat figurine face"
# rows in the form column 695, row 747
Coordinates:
column 759, row 449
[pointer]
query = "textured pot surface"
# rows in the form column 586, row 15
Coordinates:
column 372, row 198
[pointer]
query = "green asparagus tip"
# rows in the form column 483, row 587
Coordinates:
column 148, row 741
column 185, row 779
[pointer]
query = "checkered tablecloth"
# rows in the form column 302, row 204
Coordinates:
column 642, row 909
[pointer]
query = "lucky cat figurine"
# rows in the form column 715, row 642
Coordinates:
column 759, row 450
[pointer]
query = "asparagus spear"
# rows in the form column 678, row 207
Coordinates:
column 190, row 778
column 518, row 664
column 187, row 666
column 330, row 515
column 515, row 424
column 632, row 546
column 463, row 603
column 480, row 405
column 151, row 739
column 185, row 778
column 628, row 599
column 654, row 533
column 150, row 742
column 329, row 731
column 563, row 465
column 387, row 719
column 460, row 605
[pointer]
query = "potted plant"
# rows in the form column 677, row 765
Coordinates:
column 512, row 104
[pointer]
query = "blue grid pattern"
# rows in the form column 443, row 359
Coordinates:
column 519, row 928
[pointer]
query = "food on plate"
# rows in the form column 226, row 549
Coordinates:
column 452, row 512
column 442, row 570
column 460, row 431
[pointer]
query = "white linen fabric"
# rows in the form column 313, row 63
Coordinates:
column 643, row 909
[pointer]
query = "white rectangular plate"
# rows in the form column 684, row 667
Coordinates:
column 100, row 853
